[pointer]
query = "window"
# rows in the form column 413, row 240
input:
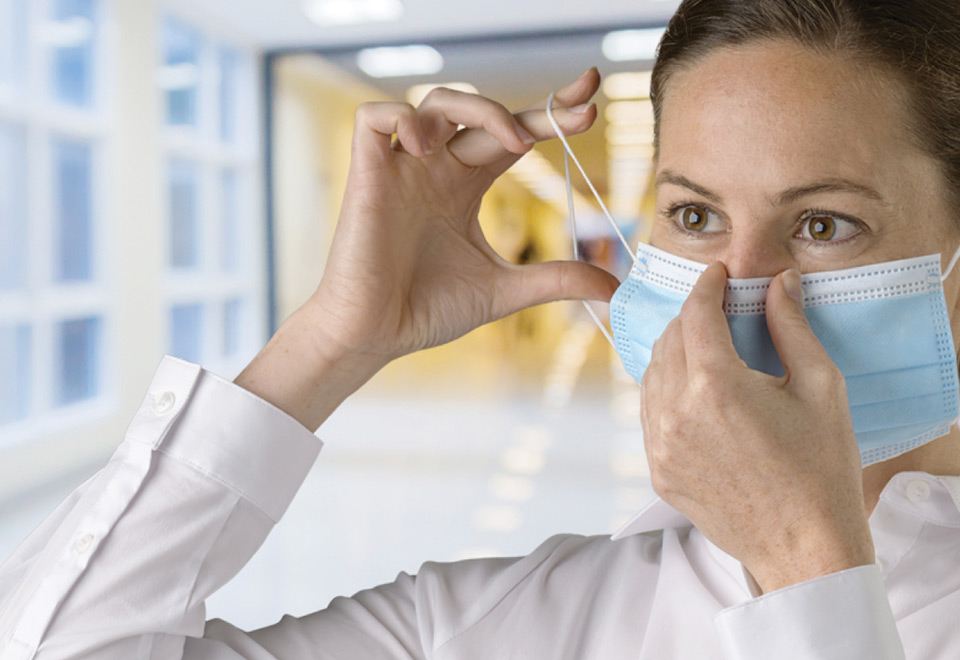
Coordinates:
column 71, row 35
column 15, row 382
column 186, row 331
column 180, row 75
column 184, row 226
column 13, row 207
column 13, row 44
column 77, row 360
column 215, row 280
column 73, row 165
column 53, row 301
column 230, row 71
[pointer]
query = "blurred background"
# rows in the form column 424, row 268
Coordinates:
column 170, row 178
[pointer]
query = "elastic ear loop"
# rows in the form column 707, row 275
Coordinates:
column 953, row 262
column 567, row 155
column 943, row 278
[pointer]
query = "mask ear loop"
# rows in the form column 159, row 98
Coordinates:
column 568, row 154
column 572, row 214
column 943, row 278
column 953, row 262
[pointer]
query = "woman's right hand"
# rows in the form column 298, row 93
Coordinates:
column 409, row 267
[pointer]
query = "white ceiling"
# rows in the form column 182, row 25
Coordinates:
column 274, row 24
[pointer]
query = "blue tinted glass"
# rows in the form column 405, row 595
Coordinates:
column 15, row 381
column 229, row 97
column 186, row 332
column 78, row 370
column 180, row 75
column 72, row 34
column 13, row 43
column 232, row 326
column 13, row 207
column 184, row 226
column 230, row 221
column 73, row 165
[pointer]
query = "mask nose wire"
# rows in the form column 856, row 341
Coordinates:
column 953, row 262
column 571, row 211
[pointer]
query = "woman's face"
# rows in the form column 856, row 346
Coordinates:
column 773, row 156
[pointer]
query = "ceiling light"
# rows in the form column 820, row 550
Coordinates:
column 628, row 45
column 629, row 85
column 347, row 12
column 417, row 93
column 395, row 62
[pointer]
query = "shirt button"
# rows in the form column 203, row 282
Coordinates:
column 164, row 403
column 918, row 491
column 83, row 543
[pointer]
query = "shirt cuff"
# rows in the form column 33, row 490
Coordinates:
column 838, row 616
column 227, row 433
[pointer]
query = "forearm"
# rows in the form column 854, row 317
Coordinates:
column 305, row 374
column 204, row 472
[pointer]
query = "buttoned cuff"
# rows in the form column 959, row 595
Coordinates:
column 227, row 433
column 839, row 616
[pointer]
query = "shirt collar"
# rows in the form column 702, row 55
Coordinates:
column 655, row 516
column 952, row 484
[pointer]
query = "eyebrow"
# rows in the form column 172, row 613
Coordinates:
column 788, row 196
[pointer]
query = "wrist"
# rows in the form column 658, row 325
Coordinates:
column 306, row 374
column 803, row 556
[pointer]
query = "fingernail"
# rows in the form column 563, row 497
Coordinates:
column 791, row 284
column 580, row 109
column 425, row 143
column 523, row 135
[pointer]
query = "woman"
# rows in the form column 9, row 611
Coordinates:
column 794, row 136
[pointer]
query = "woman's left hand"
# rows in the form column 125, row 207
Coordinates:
column 767, row 468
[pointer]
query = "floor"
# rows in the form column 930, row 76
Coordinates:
column 402, row 481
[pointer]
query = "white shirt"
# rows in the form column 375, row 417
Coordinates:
column 121, row 569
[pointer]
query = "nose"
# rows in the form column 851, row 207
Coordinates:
column 755, row 255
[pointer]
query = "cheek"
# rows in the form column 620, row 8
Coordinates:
column 705, row 251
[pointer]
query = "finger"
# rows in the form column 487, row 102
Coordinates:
column 706, row 334
column 377, row 123
column 475, row 148
column 443, row 110
column 799, row 349
column 650, row 389
column 536, row 284
column 579, row 91
column 673, row 361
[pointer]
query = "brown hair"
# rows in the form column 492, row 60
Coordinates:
column 917, row 40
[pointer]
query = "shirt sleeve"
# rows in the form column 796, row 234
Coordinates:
column 121, row 569
column 835, row 617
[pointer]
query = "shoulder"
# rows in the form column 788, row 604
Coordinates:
column 562, row 573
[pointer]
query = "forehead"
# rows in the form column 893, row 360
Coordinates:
column 780, row 111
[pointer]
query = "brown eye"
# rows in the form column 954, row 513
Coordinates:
column 822, row 228
column 693, row 218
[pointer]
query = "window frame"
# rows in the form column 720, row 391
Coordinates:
column 44, row 302
column 210, row 284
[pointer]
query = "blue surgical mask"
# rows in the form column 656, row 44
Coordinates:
column 886, row 326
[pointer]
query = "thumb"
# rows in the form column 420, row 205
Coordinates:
column 535, row 284
column 798, row 348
